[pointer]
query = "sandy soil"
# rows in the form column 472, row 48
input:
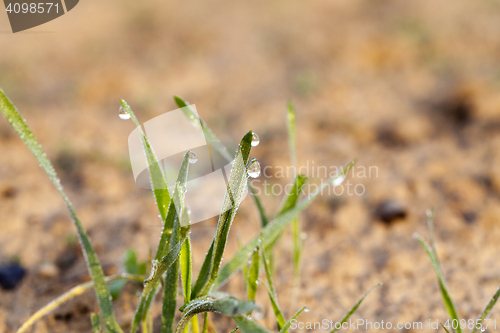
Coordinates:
column 411, row 88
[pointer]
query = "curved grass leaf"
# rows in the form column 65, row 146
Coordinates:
column 94, row 267
column 234, row 194
column 356, row 306
column 289, row 322
column 448, row 302
column 489, row 307
column 216, row 302
column 273, row 230
column 72, row 293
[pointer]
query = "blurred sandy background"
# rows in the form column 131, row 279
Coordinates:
column 410, row 87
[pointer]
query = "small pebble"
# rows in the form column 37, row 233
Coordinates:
column 390, row 210
column 48, row 270
column 11, row 275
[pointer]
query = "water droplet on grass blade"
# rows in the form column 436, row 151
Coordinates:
column 306, row 309
column 193, row 158
column 255, row 140
column 123, row 113
column 258, row 314
column 254, row 169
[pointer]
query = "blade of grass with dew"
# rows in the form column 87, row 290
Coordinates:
column 246, row 325
column 93, row 266
column 253, row 275
column 235, row 329
column 289, row 322
column 174, row 206
column 273, row 230
column 222, row 303
column 448, row 302
column 158, row 180
column 486, row 311
column 72, row 293
column 272, row 292
column 95, row 321
column 150, row 284
column 356, row 306
column 232, row 199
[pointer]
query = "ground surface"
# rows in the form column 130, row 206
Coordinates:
column 411, row 88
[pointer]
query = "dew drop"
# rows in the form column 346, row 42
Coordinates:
column 306, row 309
column 483, row 329
column 255, row 140
column 193, row 158
column 123, row 114
column 339, row 180
column 254, row 169
column 110, row 298
column 258, row 314
column 249, row 317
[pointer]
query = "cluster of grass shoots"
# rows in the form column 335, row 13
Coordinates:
column 173, row 258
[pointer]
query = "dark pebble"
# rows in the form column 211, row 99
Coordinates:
column 11, row 275
column 390, row 210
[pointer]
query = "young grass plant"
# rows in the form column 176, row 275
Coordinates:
column 454, row 324
column 173, row 256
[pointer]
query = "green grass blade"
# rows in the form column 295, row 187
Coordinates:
column 186, row 269
column 234, row 194
column 94, row 267
column 158, row 180
column 294, row 194
column 448, row 302
column 253, row 275
column 356, row 306
column 235, row 329
column 72, row 293
column 171, row 286
column 95, row 320
column 199, row 123
column 148, row 294
column 204, row 274
column 292, row 141
column 262, row 213
column 289, row 322
column 445, row 328
column 246, row 325
column 217, row 302
column 272, row 292
column 486, row 311
column 273, row 230
column 205, row 323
